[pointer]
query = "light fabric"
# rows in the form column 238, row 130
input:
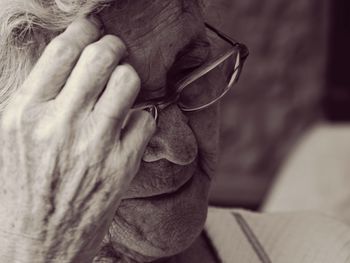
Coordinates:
column 240, row 236
column 316, row 175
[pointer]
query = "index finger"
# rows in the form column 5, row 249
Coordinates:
column 58, row 59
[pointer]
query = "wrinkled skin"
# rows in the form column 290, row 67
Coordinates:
column 185, row 145
column 163, row 210
column 69, row 152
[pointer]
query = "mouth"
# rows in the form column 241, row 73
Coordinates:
column 169, row 194
column 181, row 213
column 160, row 178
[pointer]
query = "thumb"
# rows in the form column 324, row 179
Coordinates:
column 137, row 132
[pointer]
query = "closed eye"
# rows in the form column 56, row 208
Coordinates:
column 192, row 56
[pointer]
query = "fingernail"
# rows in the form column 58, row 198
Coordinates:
column 96, row 20
column 153, row 111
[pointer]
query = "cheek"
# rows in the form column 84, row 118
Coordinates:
column 205, row 126
column 205, row 123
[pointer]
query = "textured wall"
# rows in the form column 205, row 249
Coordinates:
column 278, row 94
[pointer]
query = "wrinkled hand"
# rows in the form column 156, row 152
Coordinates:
column 69, row 148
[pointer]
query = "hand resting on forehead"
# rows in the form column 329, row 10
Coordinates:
column 68, row 150
column 87, row 178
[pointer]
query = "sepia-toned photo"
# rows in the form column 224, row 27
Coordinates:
column 174, row 131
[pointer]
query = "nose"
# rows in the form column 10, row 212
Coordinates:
column 173, row 140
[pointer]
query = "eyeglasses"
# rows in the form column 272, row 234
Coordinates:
column 191, row 92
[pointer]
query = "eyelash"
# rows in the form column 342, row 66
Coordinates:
column 192, row 57
column 195, row 54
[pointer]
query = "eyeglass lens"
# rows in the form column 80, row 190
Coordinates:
column 210, row 87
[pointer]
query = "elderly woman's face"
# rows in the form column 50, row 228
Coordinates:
column 165, row 207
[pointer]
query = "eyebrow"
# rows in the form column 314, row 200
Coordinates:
column 195, row 42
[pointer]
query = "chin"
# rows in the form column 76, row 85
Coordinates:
column 147, row 229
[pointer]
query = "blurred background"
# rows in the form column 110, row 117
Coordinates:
column 296, row 76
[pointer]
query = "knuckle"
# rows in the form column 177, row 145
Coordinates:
column 115, row 43
column 26, row 119
column 44, row 131
column 32, row 123
column 99, row 55
column 126, row 74
column 47, row 122
column 12, row 120
column 63, row 49
column 13, row 112
column 86, row 27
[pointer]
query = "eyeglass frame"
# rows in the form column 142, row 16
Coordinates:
column 154, row 106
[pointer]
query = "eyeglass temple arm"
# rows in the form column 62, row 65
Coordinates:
column 243, row 49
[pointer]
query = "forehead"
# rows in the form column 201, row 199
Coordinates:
column 154, row 32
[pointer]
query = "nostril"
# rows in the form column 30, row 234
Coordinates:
column 181, row 153
column 152, row 151
column 173, row 140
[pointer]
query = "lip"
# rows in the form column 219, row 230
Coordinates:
column 169, row 194
column 159, row 178
column 169, row 220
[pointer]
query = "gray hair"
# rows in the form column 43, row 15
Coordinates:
column 26, row 27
